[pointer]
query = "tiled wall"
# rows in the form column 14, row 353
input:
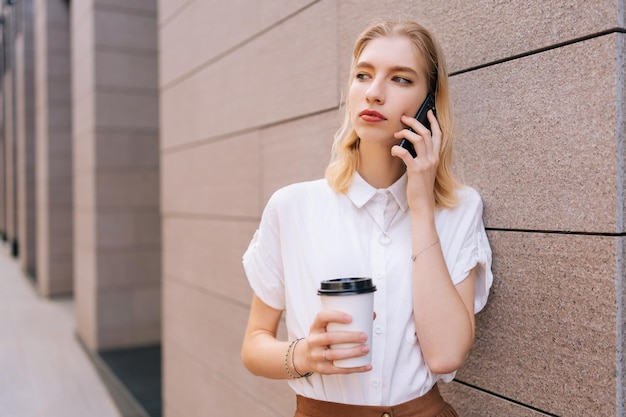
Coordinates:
column 249, row 100
column 10, row 154
column 53, row 150
column 25, row 138
column 117, row 246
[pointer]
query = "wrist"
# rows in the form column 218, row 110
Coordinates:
column 422, row 204
column 422, row 221
column 297, row 364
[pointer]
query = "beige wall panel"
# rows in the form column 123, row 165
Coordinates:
column 621, row 131
column 128, row 190
column 537, row 138
column 621, row 324
column 53, row 147
column 62, row 222
column 58, row 165
column 194, row 391
column 548, row 335
column 84, row 193
column 121, row 29
column 135, row 320
column 61, row 38
column 59, row 143
column 61, row 270
column 125, row 228
column 58, row 60
column 296, row 151
column 199, row 23
column 60, row 193
column 207, row 253
column 216, row 178
column 477, row 32
column 82, row 88
column 82, row 55
column 128, row 267
column 193, row 319
column 58, row 15
column 288, row 72
column 126, row 110
column 470, row 402
column 80, row 11
column 84, row 229
column 85, row 289
column 138, row 5
column 121, row 150
column 130, row 71
column 59, row 118
column 83, row 124
column 168, row 9
column 83, row 160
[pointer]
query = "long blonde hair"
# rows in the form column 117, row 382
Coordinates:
column 345, row 150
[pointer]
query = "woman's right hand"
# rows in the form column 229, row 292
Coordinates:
column 314, row 353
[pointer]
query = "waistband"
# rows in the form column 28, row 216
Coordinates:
column 430, row 404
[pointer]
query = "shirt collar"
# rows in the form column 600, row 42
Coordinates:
column 360, row 191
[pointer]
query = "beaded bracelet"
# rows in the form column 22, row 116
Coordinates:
column 292, row 348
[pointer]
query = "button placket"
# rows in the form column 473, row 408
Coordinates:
column 378, row 267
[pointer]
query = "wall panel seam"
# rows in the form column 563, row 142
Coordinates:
column 540, row 50
column 213, row 139
column 235, row 47
column 204, row 290
column 127, row 50
column 226, row 378
column 127, row 91
column 109, row 129
column 177, row 215
column 530, row 407
column 620, row 287
column 125, row 10
column 173, row 15
column 557, row 232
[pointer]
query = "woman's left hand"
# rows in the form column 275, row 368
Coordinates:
column 421, row 170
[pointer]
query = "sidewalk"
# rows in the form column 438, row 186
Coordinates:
column 44, row 371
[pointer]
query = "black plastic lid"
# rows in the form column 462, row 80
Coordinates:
column 346, row 286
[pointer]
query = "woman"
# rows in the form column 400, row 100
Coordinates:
column 379, row 213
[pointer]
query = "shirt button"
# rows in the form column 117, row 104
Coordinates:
column 379, row 275
column 375, row 383
column 378, row 329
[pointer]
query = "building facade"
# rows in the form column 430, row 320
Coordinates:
column 183, row 117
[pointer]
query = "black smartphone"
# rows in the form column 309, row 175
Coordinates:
column 421, row 116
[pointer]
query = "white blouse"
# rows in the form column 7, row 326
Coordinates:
column 309, row 233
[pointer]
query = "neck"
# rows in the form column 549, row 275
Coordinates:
column 378, row 167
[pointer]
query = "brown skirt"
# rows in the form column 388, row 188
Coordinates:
column 430, row 404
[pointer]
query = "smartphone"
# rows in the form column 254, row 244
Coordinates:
column 421, row 116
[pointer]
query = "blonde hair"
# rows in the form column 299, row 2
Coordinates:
column 345, row 150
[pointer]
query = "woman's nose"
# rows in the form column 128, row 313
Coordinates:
column 375, row 93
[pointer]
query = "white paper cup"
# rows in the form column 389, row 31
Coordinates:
column 354, row 296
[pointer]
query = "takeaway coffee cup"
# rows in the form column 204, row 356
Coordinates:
column 354, row 296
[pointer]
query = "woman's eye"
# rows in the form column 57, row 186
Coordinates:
column 361, row 76
column 402, row 80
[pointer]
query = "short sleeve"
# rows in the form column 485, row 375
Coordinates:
column 472, row 249
column 262, row 260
